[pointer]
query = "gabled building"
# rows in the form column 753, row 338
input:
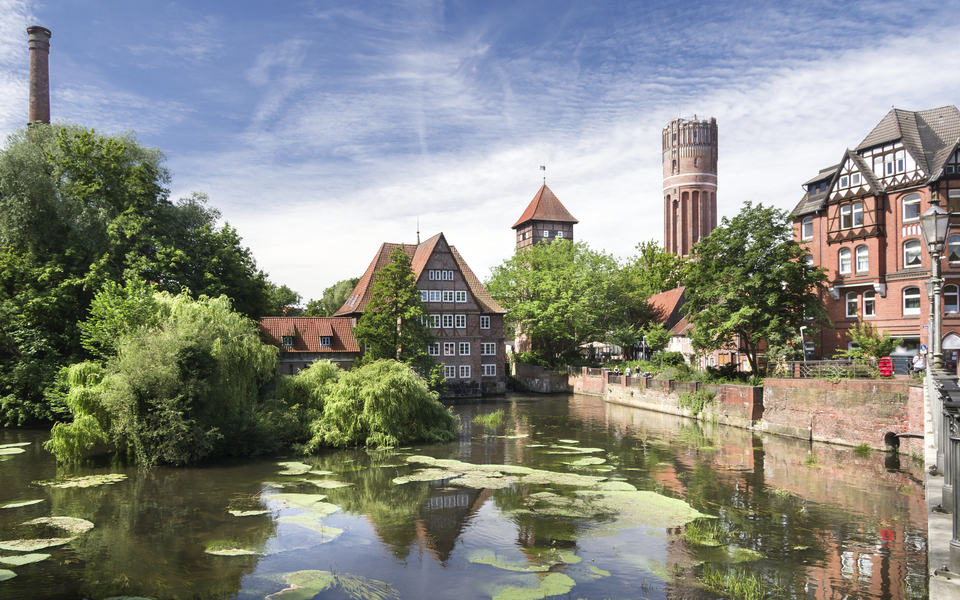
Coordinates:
column 467, row 323
column 545, row 219
column 305, row 340
column 860, row 220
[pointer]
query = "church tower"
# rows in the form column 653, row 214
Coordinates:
column 544, row 220
column 689, row 182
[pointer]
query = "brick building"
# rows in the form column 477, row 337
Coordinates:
column 467, row 323
column 305, row 340
column 689, row 183
column 545, row 219
column 860, row 220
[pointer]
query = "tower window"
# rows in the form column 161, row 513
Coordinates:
column 696, row 162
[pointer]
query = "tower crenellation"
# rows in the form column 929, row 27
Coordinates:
column 689, row 182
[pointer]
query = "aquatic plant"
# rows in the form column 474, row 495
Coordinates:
column 739, row 584
column 862, row 450
column 307, row 584
column 493, row 419
column 696, row 401
column 707, row 533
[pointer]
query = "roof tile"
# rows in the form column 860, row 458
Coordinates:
column 545, row 206
column 307, row 332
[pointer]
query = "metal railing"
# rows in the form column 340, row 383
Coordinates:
column 833, row 369
column 943, row 391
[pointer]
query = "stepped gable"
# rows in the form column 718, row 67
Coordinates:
column 307, row 331
column 545, row 206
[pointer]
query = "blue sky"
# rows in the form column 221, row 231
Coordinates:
column 321, row 129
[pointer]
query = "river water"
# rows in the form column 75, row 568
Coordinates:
column 810, row 521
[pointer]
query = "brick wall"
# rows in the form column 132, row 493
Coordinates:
column 541, row 380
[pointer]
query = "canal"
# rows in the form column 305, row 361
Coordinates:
column 562, row 496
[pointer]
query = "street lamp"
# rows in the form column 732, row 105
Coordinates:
column 934, row 224
column 803, row 345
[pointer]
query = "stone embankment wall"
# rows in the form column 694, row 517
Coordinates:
column 540, row 379
column 849, row 412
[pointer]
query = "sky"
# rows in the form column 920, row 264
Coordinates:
column 322, row 129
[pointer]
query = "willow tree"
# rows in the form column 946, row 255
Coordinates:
column 181, row 389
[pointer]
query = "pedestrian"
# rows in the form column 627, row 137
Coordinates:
column 616, row 370
column 627, row 371
column 919, row 363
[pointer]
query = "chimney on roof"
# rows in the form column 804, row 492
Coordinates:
column 39, row 74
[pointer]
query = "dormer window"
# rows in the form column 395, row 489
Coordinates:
column 287, row 341
column 325, row 341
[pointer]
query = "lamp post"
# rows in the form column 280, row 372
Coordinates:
column 934, row 224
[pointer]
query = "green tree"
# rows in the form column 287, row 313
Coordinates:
column 748, row 280
column 283, row 301
column 115, row 312
column 562, row 295
column 653, row 270
column 870, row 342
column 175, row 393
column 332, row 299
column 657, row 336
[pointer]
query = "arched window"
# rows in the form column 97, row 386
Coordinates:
column 844, row 261
column 953, row 248
column 806, row 229
column 870, row 304
column 911, row 253
column 911, row 207
column 863, row 259
column 951, row 299
column 911, row 301
column 852, row 304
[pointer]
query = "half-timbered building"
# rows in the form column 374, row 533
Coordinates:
column 467, row 323
column 860, row 220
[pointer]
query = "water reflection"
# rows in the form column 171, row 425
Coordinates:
column 824, row 520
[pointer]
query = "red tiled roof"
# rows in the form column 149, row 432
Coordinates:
column 545, row 206
column 681, row 327
column 307, row 332
column 665, row 303
column 419, row 255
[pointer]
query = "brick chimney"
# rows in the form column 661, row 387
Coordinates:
column 39, row 74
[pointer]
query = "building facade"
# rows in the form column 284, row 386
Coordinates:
column 860, row 220
column 689, row 182
column 304, row 340
column 545, row 219
column 466, row 322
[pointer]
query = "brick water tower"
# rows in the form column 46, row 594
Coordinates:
column 689, row 182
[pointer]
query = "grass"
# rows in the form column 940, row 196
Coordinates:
column 863, row 450
column 738, row 584
column 811, row 460
column 707, row 533
column 493, row 419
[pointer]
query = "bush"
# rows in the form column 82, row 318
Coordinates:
column 696, row 401
column 670, row 359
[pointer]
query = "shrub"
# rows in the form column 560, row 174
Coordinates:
column 696, row 401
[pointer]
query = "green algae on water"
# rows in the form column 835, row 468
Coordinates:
column 294, row 468
column 553, row 584
column 307, row 584
column 83, row 482
column 69, row 524
column 587, row 461
column 315, row 523
column 311, row 502
column 502, row 561
column 328, row 484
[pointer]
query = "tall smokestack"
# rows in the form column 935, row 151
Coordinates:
column 39, row 74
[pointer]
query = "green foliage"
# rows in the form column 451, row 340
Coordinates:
column 671, row 359
column 696, row 401
column 283, row 301
column 561, row 294
column 870, row 342
column 747, row 282
column 862, row 450
column 656, row 335
column 332, row 299
column 654, row 270
column 117, row 311
column 383, row 403
column 494, row 419
column 739, row 584
column 177, row 392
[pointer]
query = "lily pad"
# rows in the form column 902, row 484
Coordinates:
column 320, row 473
column 312, row 502
column 513, row 437
column 18, row 504
column 232, row 552
column 249, row 513
column 329, row 484
column 307, row 584
column 556, row 449
column 70, row 524
column 492, row 476
column 587, row 461
column 23, row 559
column 569, row 441
column 15, row 445
column 31, row 545
column 10, row 451
column 84, row 482
column 554, row 584
column 312, row 521
column 5, row 574
column 294, row 468
column 501, row 560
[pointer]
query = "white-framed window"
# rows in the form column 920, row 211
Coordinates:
column 869, row 304
column 855, row 179
column 435, row 295
column 806, row 228
column 951, row 299
column 432, row 274
column 488, row 349
column 461, row 296
column 911, row 253
column 433, row 349
column 853, row 304
column 435, row 321
column 448, row 296
column 546, row 233
column 461, row 321
column 449, row 371
column 484, row 322
column 844, row 261
column 424, row 296
column 464, row 348
column 911, row 207
column 447, row 321
column 464, row 371
column 857, row 214
column 287, row 341
column 367, row 347
column 888, row 160
column 851, row 215
column 953, row 198
column 449, row 275
column 863, row 259
column 911, row 301
column 488, row 370
column 844, row 182
column 325, row 341
column 953, row 248
column 900, row 158
column 559, row 234
column 449, row 348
